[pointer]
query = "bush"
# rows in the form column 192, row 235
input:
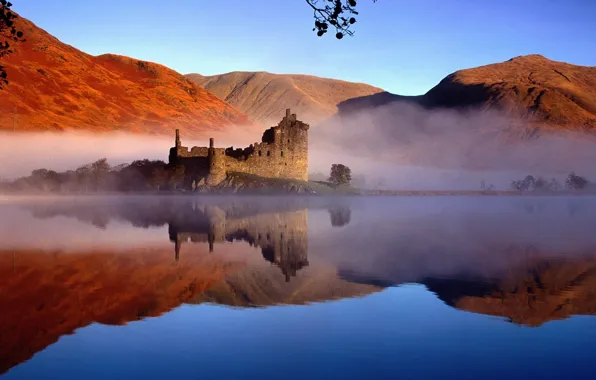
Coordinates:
column 340, row 175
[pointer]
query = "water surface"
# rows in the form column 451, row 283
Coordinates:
column 283, row 287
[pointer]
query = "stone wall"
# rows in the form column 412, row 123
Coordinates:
column 282, row 153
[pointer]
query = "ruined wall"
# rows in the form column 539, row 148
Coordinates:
column 282, row 153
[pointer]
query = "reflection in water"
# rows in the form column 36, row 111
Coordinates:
column 282, row 237
column 528, row 261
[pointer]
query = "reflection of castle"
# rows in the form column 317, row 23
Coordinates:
column 282, row 237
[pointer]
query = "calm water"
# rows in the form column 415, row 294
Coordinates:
column 268, row 288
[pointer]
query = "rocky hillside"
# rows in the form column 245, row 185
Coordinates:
column 55, row 87
column 264, row 96
column 555, row 94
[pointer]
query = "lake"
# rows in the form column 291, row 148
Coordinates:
column 446, row 287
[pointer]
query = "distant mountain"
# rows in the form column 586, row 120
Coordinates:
column 264, row 96
column 55, row 87
column 554, row 94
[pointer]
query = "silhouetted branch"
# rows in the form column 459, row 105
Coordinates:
column 8, row 32
column 337, row 13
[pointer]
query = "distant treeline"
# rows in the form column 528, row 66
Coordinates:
column 530, row 183
column 99, row 176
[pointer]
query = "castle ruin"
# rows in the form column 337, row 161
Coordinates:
column 282, row 153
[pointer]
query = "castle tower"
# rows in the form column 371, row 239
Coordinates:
column 178, row 144
column 217, row 164
column 291, row 138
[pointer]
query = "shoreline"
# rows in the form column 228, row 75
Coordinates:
column 362, row 193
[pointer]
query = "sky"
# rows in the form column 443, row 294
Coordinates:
column 405, row 47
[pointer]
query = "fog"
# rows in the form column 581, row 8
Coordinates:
column 446, row 149
column 20, row 153
column 403, row 239
column 403, row 144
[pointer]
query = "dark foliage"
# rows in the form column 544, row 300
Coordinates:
column 99, row 176
column 340, row 175
column 337, row 14
column 340, row 216
column 540, row 184
column 8, row 34
column 575, row 182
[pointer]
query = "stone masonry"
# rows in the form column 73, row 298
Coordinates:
column 282, row 153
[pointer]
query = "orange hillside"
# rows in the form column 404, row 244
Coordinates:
column 56, row 87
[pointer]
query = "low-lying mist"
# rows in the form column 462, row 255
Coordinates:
column 20, row 153
column 413, row 147
column 399, row 146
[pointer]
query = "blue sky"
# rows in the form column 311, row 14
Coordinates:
column 405, row 47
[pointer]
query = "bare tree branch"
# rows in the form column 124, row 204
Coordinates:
column 335, row 13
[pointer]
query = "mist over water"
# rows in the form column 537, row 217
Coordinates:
column 406, row 146
column 413, row 147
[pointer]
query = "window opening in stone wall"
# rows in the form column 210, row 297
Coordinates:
column 282, row 153
column 268, row 153
column 288, row 141
column 259, row 153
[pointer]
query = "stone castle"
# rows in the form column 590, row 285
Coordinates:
column 282, row 153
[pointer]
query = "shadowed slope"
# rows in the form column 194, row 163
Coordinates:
column 556, row 94
column 263, row 96
column 55, row 87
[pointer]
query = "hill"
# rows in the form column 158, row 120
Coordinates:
column 55, row 87
column 554, row 94
column 263, row 96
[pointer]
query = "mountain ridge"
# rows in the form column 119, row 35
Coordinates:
column 314, row 98
column 554, row 94
column 55, row 87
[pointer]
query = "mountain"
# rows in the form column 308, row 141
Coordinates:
column 55, row 87
column 263, row 96
column 554, row 94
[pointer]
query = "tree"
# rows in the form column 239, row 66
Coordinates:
column 159, row 177
column 340, row 175
column 8, row 33
column 575, row 182
column 177, row 174
column 527, row 184
column 485, row 187
column 337, row 13
column 99, row 171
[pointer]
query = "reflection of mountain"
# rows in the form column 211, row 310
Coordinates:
column 528, row 292
column 49, row 294
column 46, row 294
column 545, row 291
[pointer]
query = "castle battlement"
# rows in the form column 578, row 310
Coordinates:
column 282, row 153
